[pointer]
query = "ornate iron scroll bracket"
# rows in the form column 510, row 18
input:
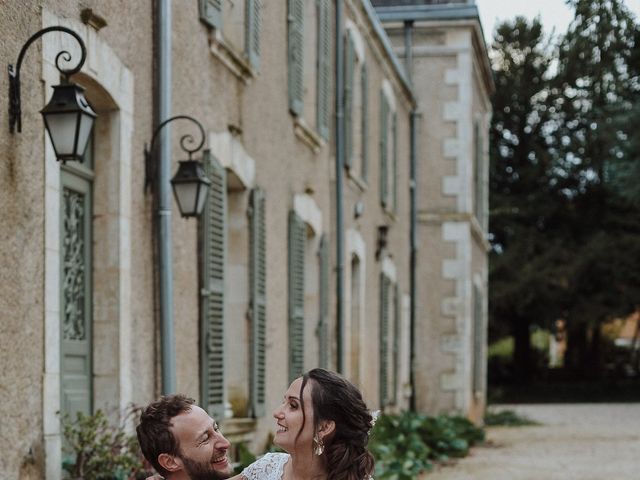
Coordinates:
column 15, row 110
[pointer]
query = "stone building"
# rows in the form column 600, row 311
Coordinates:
column 303, row 254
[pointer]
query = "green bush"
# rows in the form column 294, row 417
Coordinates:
column 506, row 418
column 94, row 449
column 407, row 444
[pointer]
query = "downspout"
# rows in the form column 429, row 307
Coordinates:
column 163, row 99
column 413, row 240
column 339, row 193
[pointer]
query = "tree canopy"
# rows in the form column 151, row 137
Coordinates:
column 565, row 216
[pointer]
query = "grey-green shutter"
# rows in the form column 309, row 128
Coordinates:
column 394, row 170
column 350, row 54
column 397, row 311
column 478, row 190
column 258, row 300
column 384, row 340
column 384, row 134
column 324, row 68
column 214, row 249
column 297, row 237
column 295, row 20
column 253, row 13
column 323, row 321
column 365, row 122
column 76, row 307
column 478, row 340
column 211, row 12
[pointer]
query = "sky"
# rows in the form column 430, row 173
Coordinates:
column 554, row 13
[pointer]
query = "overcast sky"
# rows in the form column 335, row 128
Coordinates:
column 554, row 13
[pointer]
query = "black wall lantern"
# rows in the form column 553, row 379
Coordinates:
column 68, row 117
column 190, row 184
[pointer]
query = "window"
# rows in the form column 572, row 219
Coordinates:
column 388, row 150
column 237, row 24
column 309, row 69
column 478, row 340
column 356, row 105
column 478, row 175
column 389, row 335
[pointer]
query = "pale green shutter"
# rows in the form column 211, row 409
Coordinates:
column 384, row 134
column 211, row 12
column 214, row 246
column 76, row 309
column 365, row 122
column 394, row 170
column 324, row 68
column 297, row 237
column 253, row 14
column 477, row 175
column 350, row 54
column 323, row 322
column 258, row 300
column 478, row 341
column 384, row 340
column 295, row 21
column 397, row 305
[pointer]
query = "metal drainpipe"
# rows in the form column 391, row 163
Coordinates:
column 413, row 241
column 339, row 193
column 163, row 99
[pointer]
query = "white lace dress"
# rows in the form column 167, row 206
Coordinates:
column 268, row 467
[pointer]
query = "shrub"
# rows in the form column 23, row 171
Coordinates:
column 407, row 444
column 97, row 450
column 506, row 418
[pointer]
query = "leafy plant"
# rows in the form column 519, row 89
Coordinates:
column 98, row 450
column 507, row 418
column 407, row 444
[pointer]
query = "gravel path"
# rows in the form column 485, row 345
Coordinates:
column 574, row 442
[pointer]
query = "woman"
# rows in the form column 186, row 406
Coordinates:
column 323, row 424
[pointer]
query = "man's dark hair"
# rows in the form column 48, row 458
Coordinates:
column 154, row 434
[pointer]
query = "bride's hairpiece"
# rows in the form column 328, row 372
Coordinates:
column 374, row 418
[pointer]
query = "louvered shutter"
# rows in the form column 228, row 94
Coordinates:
column 365, row 122
column 257, row 306
column 384, row 134
column 478, row 341
column 349, row 59
column 384, row 340
column 394, row 170
column 296, row 295
column 253, row 12
column 211, row 12
column 324, row 68
column 478, row 190
column 323, row 321
column 395, row 341
column 295, row 21
column 214, row 246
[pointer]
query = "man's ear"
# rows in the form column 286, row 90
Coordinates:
column 326, row 427
column 169, row 462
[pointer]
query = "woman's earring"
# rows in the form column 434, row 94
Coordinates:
column 318, row 445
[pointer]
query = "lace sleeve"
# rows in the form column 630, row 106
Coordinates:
column 269, row 467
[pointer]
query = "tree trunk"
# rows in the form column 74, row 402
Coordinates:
column 522, row 350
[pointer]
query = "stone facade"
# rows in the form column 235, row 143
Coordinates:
column 235, row 78
column 452, row 83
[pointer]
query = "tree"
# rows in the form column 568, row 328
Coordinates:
column 519, row 185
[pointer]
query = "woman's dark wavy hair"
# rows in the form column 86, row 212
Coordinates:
column 336, row 399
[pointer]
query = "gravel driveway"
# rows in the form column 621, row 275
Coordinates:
column 575, row 441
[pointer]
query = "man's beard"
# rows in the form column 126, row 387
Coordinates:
column 203, row 471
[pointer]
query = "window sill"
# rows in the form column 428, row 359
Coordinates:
column 306, row 134
column 239, row 429
column 234, row 61
column 357, row 180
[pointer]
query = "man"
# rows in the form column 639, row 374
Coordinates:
column 182, row 441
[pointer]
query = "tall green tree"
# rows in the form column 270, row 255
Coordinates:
column 521, row 199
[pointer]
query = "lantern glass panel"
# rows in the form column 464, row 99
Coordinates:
column 62, row 131
column 186, row 195
column 203, row 193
